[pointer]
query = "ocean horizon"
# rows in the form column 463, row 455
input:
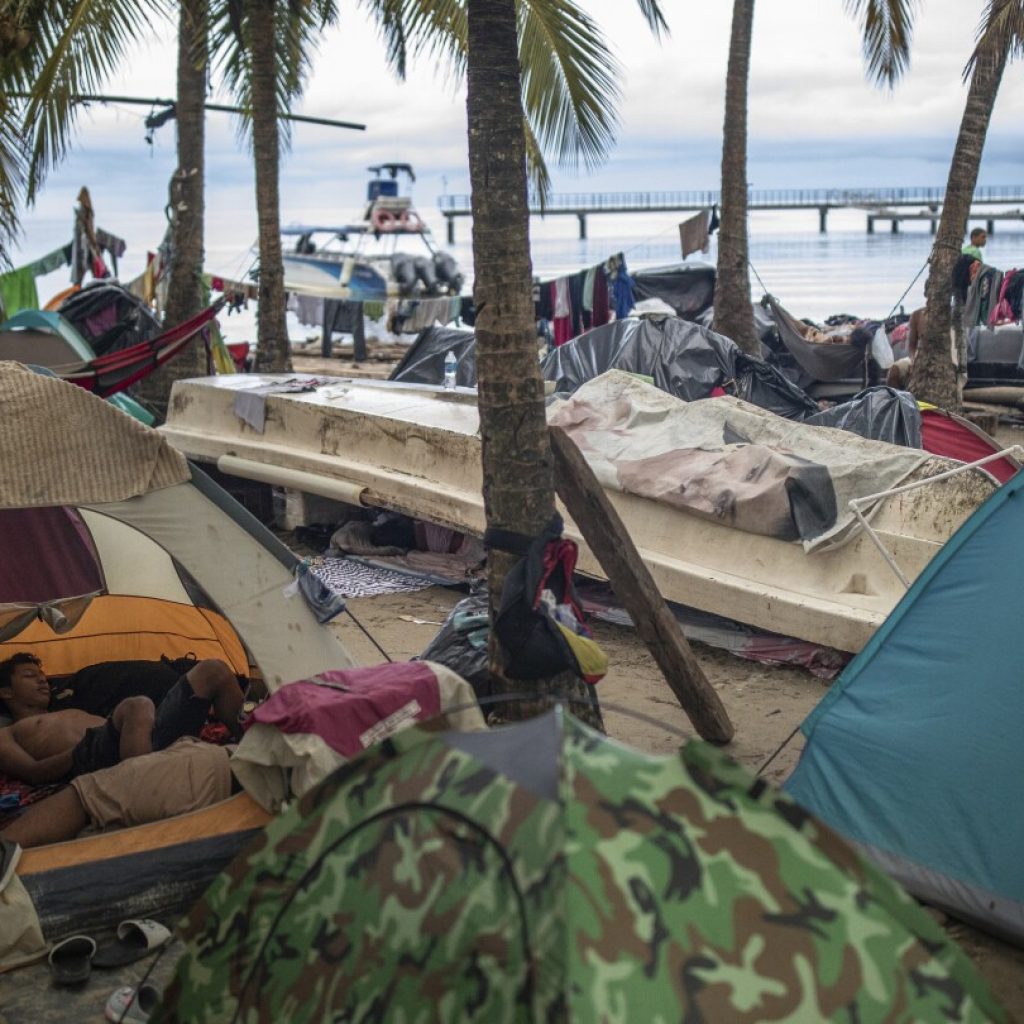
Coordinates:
column 813, row 274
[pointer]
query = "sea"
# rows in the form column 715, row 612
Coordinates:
column 812, row 274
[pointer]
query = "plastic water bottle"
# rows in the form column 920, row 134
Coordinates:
column 451, row 365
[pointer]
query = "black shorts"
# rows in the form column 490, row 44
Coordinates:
column 180, row 713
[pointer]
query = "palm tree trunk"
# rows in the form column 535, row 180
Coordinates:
column 933, row 378
column 733, row 315
column 518, row 486
column 272, row 352
column 185, row 287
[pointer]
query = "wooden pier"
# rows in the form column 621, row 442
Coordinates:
column 896, row 217
column 878, row 203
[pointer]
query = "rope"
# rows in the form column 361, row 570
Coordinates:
column 764, row 287
column 899, row 301
column 368, row 634
column 778, row 750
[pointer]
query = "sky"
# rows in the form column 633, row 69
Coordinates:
column 814, row 121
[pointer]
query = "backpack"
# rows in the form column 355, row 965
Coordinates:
column 539, row 623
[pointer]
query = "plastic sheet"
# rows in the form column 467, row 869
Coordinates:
column 882, row 414
column 423, row 363
column 689, row 288
column 680, row 357
column 461, row 643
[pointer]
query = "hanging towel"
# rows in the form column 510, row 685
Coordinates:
column 694, row 234
column 50, row 262
column 18, row 291
column 562, row 307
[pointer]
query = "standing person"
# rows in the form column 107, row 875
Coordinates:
column 979, row 236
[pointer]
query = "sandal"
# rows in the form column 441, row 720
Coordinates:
column 135, row 939
column 71, row 960
column 132, row 1006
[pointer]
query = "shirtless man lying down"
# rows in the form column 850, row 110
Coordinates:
column 51, row 746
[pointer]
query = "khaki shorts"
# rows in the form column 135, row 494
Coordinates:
column 187, row 775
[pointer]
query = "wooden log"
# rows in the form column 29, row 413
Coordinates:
column 607, row 537
column 999, row 395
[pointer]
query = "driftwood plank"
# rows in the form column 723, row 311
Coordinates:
column 607, row 537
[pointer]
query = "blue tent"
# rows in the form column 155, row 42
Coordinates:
column 917, row 752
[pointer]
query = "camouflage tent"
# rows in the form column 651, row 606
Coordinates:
column 545, row 873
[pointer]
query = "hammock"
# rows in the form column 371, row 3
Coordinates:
column 107, row 375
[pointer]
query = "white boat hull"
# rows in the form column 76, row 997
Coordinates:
column 416, row 449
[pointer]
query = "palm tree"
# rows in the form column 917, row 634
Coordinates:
column 885, row 30
column 733, row 315
column 185, row 290
column 933, row 378
column 54, row 51
column 517, row 461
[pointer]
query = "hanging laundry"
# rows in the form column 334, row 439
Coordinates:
column 602, row 309
column 562, row 307
column 695, row 233
column 1002, row 312
column 50, row 262
column 621, row 286
column 18, row 291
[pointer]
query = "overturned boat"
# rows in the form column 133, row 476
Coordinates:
column 735, row 510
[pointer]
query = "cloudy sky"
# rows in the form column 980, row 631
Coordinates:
column 814, row 121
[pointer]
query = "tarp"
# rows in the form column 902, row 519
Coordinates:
column 916, row 750
column 882, row 413
column 543, row 872
column 688, row 288
column 423, row 362
column 728, row 460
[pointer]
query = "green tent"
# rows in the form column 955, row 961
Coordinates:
column 542, row 872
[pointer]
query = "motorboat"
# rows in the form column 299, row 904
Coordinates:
column 387, row 253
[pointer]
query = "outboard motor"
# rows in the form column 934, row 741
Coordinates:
column 425, row 272
column 447, row 271
column 403, row 267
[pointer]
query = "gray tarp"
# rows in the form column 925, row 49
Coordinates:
column 423, row 363
column 684, row 359
column 688, row 288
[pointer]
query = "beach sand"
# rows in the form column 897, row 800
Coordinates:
column 765, row 703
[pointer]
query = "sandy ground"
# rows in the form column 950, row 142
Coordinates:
column 765, row 704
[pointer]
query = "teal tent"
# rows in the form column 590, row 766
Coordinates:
column 917, row 750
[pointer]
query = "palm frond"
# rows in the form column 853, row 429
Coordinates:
column 656, row 22
column 13, row 177
column 299, row 27
column 389, row 16
column 1001, row 28
column 75, row 47
column 570, row 88
column 886, row 31
column 537, row 169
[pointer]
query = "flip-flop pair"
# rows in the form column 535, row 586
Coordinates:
column 73, row 959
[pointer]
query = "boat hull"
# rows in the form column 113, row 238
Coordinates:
column 416, row 449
